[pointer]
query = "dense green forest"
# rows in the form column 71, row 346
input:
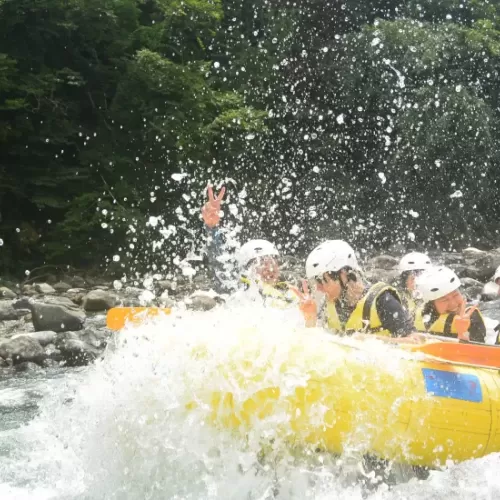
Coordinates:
column 373, row 121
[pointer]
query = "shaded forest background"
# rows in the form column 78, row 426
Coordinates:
column 375, row 121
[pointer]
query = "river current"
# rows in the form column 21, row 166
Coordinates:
column 119, row 429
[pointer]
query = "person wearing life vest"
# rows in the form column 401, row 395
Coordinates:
column 257, row 260
column 349, row 305
column 444, row 311
column 410, row 266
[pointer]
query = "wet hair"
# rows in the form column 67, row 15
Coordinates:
column 335, row 275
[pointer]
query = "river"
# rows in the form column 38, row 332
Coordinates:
column 119, row 429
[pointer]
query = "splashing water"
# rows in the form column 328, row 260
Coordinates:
column 135, row 425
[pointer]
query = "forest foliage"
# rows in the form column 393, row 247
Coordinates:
column 377, row 122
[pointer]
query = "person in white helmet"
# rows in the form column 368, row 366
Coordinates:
column 410, row 266
column 350, row 306
column 257, row 259
column 444, row 311
column 496, row 276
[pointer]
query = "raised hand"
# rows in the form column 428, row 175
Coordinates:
column 307, row 305
column 462, row 322
column 211, row 210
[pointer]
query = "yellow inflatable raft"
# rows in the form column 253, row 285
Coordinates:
column 374, row 398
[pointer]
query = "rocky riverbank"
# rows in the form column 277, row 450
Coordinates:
column 62, row 321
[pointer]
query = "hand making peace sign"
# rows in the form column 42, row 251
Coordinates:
column 462, row 322
column 307, row 305
column 211, row 210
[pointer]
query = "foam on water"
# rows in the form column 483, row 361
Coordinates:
column 121, row 430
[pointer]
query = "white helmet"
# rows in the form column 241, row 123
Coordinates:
column 330, row 256
column 436, row 282
column 253, row 249
column 497, row 274
column 414, row 261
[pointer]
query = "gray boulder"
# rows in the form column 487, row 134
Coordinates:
column 165, row 301
column 491, row 309
column 386, row 262
column 7, row 293
column 381, row 275
column 42, row 337
column 484, row 267
column 74, row 351
column 44, row 288
column 201, row 303
column 99, row 300
column 472, row 288
column 61, row 287
column 58, row 316
column 8, row 312
column 166, row 285
column 77, row 282
column 22, row 349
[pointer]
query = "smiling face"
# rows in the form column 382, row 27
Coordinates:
column 453, row 302
column 330, row 287
column 267, row 269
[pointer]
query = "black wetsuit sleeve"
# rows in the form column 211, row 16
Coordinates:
column 220, row 275
column 393, row 316
column 477, row 330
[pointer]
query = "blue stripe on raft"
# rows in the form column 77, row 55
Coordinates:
column 463, row 386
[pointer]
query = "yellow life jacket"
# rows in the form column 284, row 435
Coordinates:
column 444, row 324
column 278, row 296
column 365, row 316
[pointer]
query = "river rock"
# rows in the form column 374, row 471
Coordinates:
column 61, row 287
column 77, row 282
column 381, row 275
column 75, row 351
column 491, row 309
column 58, row 316
column 472, row 288
column 201, row 302
column 7, row 293
column 22, row 349
column 97, row 338
column 99, row 300
column 100, row 287
column 42, row 337
column 474, row 252
column 52, row 352
column 166, row 285
column 165, row 301
column 386, row 262
column 44, row 288
column 448, row 259
column 483, row 268
column 29, row 290
column 8, row 312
